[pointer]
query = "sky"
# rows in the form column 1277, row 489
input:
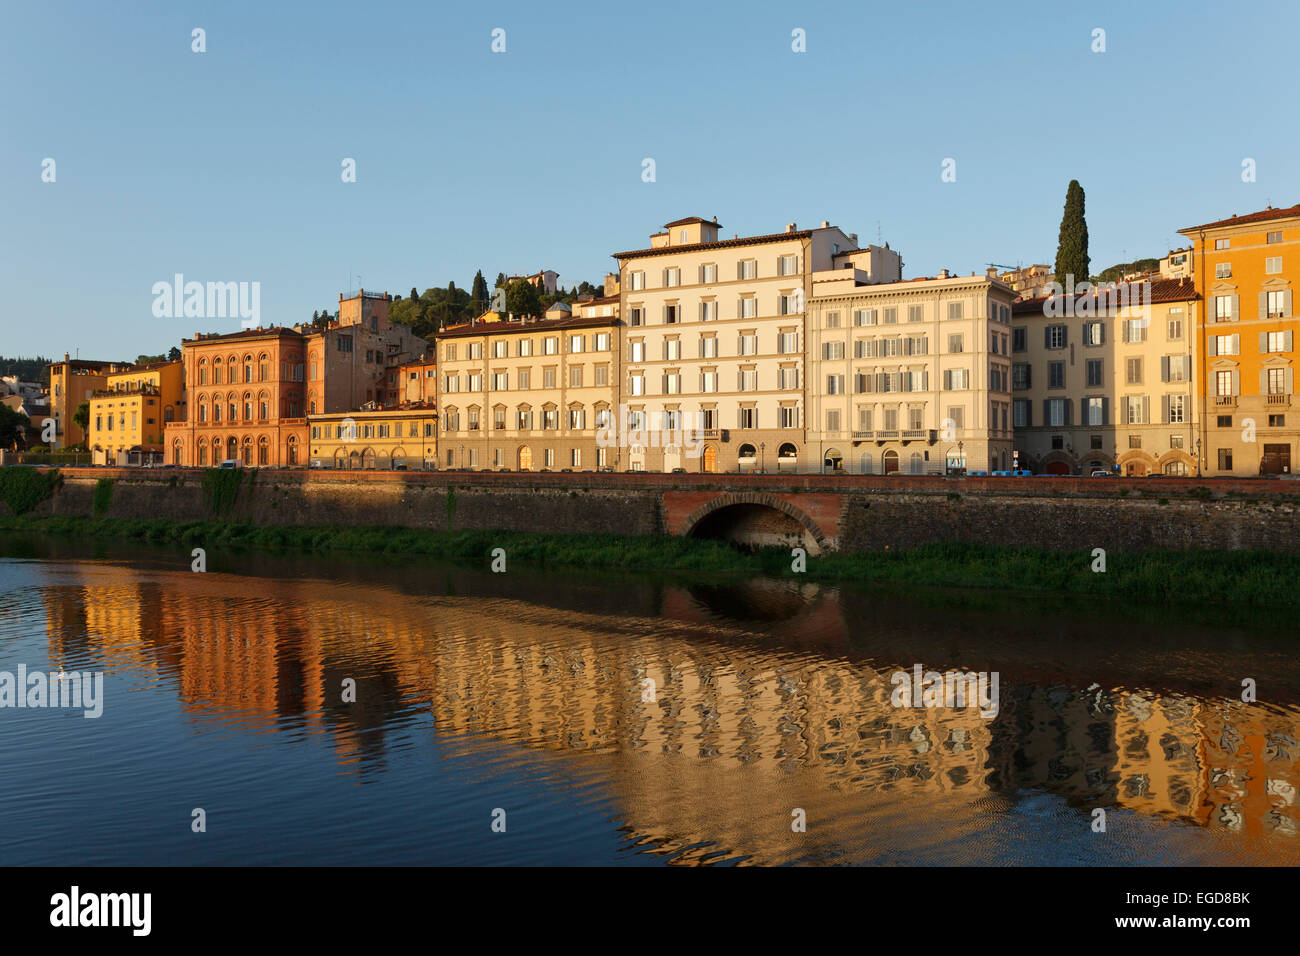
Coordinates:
column 227, row 165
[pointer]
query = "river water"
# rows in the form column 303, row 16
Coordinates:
column 386, row 710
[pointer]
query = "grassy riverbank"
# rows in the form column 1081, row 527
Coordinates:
column 1220, row 577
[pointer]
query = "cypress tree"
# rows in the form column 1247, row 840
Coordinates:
column 479, row 291
column 1072, row 247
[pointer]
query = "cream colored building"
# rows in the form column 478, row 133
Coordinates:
column 910, row 377
column 713, row 344
column 528, row 395
column 1100, row 382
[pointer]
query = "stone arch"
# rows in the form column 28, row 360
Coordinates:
column 814, row 538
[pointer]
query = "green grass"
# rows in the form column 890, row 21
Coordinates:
column 1201, row 578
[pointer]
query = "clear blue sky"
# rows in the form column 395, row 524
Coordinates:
column 225, row 166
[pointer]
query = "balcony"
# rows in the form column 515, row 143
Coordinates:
column 1279, row 400
column 862, row 435
column 910, row 433
column 1225, row 401
column 887, row 433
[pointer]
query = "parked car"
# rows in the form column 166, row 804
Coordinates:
column 231, row 463
column 679, row 471
column 1102, row 473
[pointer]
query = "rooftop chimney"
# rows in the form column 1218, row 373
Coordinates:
column 826, row 224
column 790, row 227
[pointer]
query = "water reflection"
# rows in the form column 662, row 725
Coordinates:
column 767, row 697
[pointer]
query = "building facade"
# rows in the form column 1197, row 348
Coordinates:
column 391, row 438
column 714, row 333
column 1106, row 382
column 909, row 377
column 528, row 395
column 1246, row 336
column 72, row 382
column 129, row 415
column 245, row 400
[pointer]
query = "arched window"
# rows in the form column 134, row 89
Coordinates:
column 203, row 453
column 263, row 365
column 263, row 450
column 916, row 464
column 747, row 453
column 832, row 460
column 248, row 368
column 232, row 448
column 247, row 457
column 216, row 370
column 293, row 450
column 248, row 407
column 891, row 462
column 178, row 458
column 203, row 371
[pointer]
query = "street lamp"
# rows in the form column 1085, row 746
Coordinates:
column 762, row 460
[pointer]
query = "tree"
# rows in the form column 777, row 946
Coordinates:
column 13, row 427
column 478, row 291
column 522, row 299
column 173, row 354
column 501, row 279
column 81, row 417
column 414, row 293
column 1072, row 247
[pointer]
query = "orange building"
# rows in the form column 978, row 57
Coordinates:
column 245, row 400
column 1242, row 271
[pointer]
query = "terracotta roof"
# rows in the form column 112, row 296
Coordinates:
column 690, row 219
column 1262, row 216
column 515, row 328
column 1162, row 290
column 276, row 330
column 721, row 244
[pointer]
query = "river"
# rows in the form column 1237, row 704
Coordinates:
column 387, row 710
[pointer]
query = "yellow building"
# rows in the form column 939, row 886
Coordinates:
column 127, row 415
column 391, row 438
column 72, row 382
column 1242, row 269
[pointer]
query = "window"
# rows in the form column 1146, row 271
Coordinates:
column 787, row 343
column 955, row 310
column 889, row 316
column 548, row 377
column 636, row 351
column 787, row 304
column 915, row 313
column 550, row 345
column 1095, row 412
column 709, row 272
column 1056, row 375
column 601, row 342
column 636, row 281
column 1055, row 412
column 956, row 379
column 1222, row 244
column 709, row 380
column 1223, row 383
column 451, row 353
column 1133, row 371
column 863, row 317
column 1134, row 441
column 1275, row 341
column 1275, row 304
column 748, row 344
column 1225, row 459
column 709, row 311
column 475, row 350
column 787, row 265
column 789, row 378
column 636, row 385
column 832, row 351
column 789, row 416
column 833, row 420
column 1019, row 339
column 1225, row 344
column 1272, row 265
column 1223, row 308
column 1095, row 373
column 635, row 316
column 501, row 381
column 577, row 418
column 602, row 375
column 1054, row 336
column 1273, row 237
column 832, row 320
column 709, row 346
column 1223, row 270
column 525, row 348
column 1275, row 381
column 1020, row 376
column 747, row 269
column 834, row 384
column 501, row 349
column 1094, row 333
column 672, row 277
column 1175, row 409
column 1277, row 421
column 747, row 418
column 1174, row 331
column 747, row 380
column 747, row 308
column 1224, row 421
